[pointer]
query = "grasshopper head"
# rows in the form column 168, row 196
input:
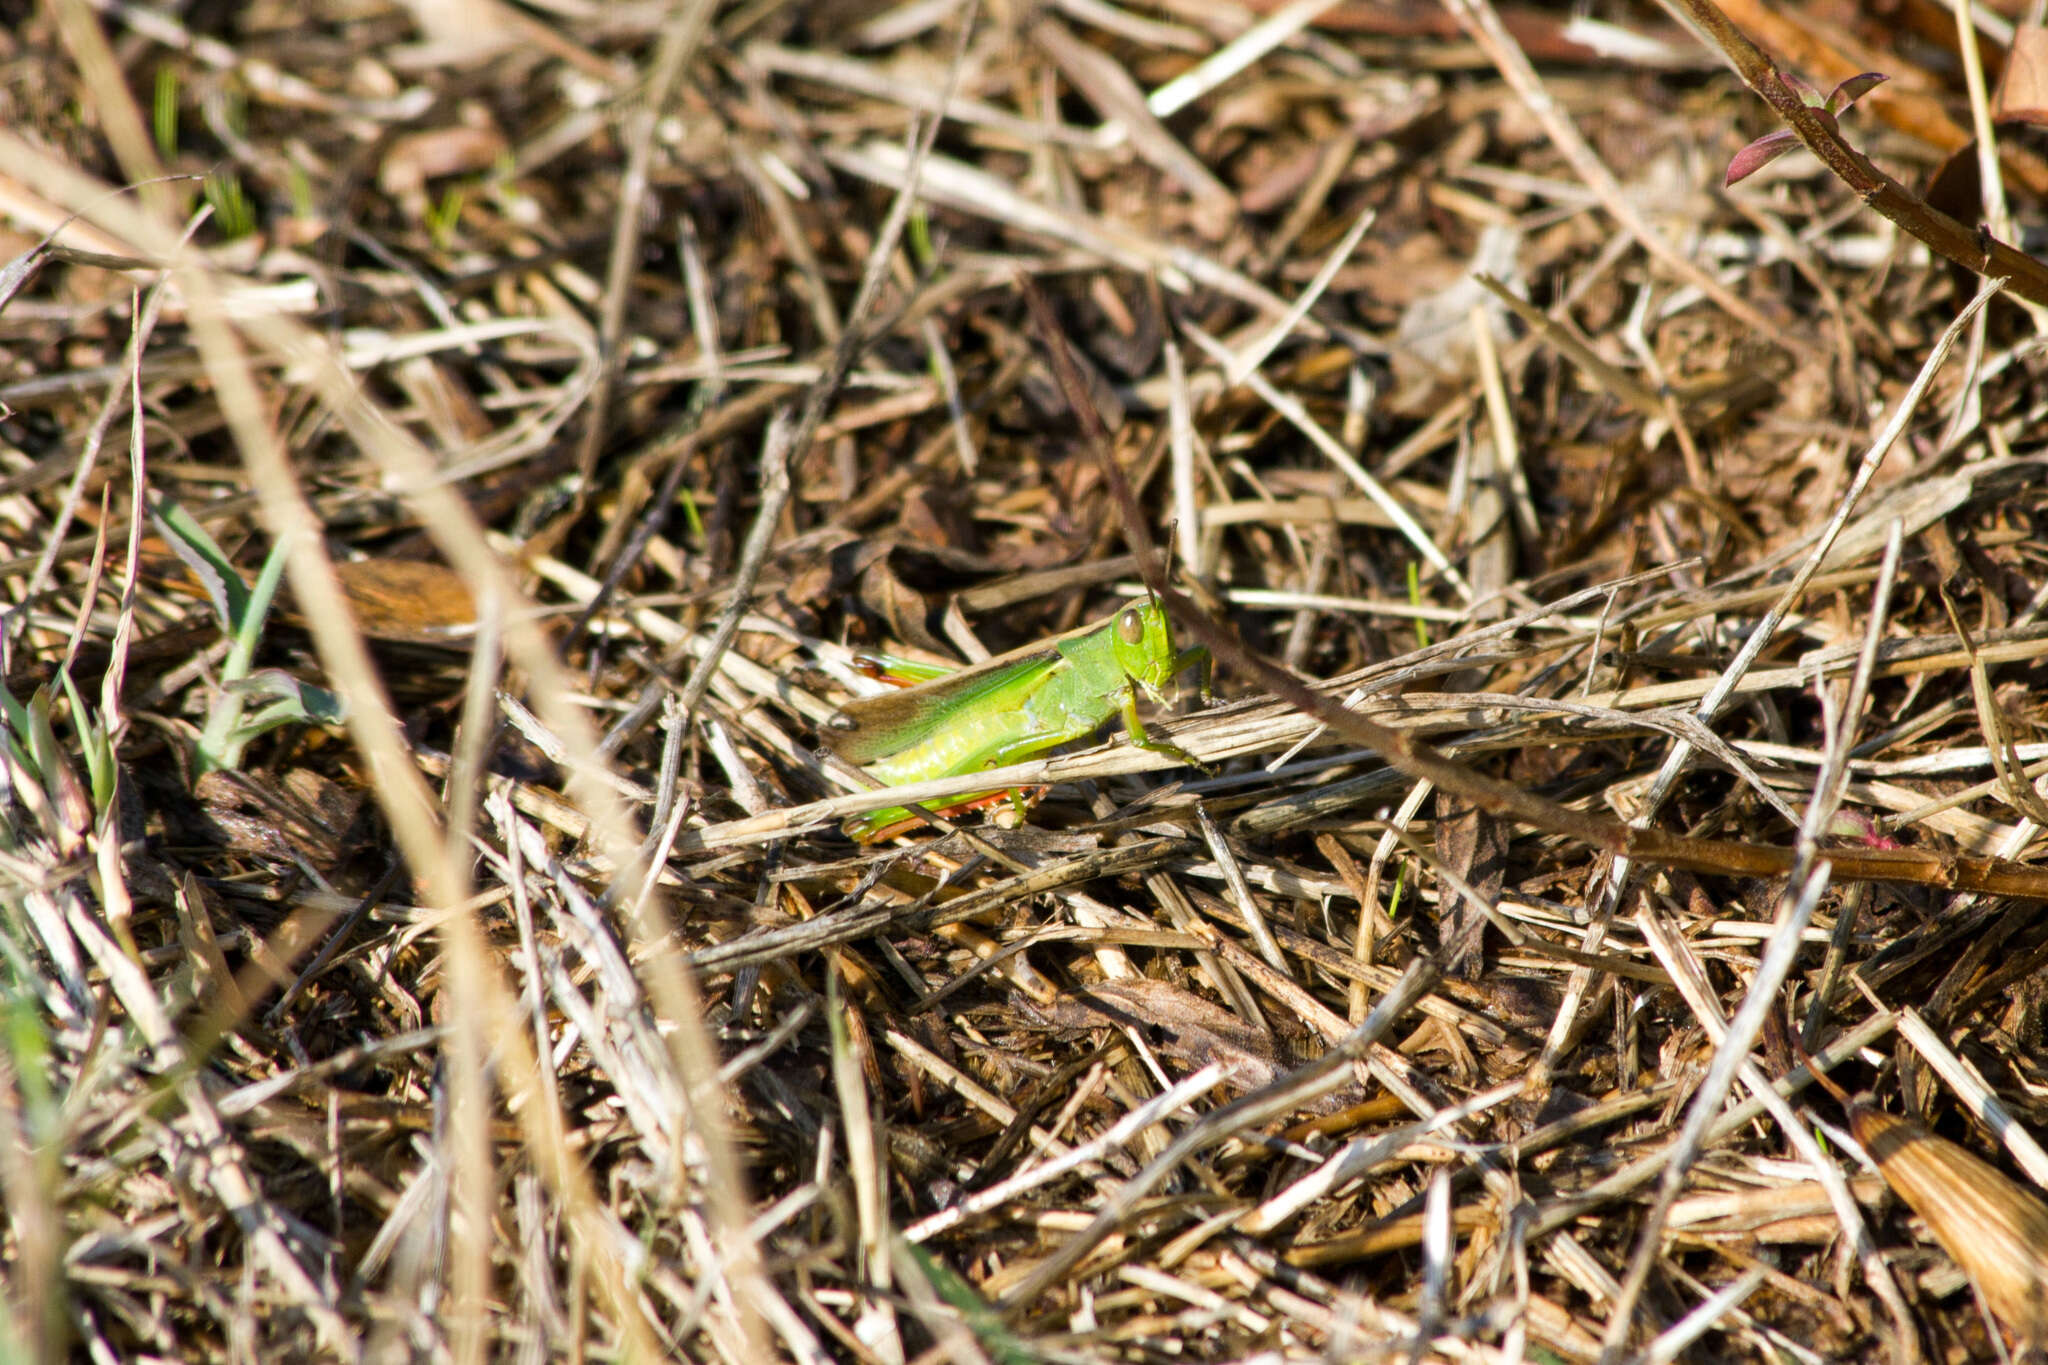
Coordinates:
column 1143, row 645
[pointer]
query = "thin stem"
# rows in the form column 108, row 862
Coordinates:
column 1974, row 250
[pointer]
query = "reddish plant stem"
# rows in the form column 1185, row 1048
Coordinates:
column 1971, row 249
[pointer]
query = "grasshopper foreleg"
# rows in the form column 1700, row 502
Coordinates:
column 1142, row 737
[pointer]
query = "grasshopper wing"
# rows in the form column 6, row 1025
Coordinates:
column 871, row 728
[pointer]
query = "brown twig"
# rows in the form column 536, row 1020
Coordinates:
column 1974, row 250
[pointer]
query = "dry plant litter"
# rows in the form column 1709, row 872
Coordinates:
column 452, row 454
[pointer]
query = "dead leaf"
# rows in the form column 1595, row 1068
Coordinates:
column 1995, row 1229
column 410, row 600
column 2023, row 94
column 1473, row 845
column 902, row 608
column 419, row 157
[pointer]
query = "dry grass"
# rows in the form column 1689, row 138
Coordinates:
column 601, row 378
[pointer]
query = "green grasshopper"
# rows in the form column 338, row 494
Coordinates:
column 947, row 723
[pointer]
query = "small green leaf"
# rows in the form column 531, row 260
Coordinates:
column 299, row 189
column 1415, row 599
column 314, row 705
column 443, row 217
column 208, row 563
column 232, row 211
column 248, row 628
column 1004, row 1346
column 42, row 737
column 14, row 714
column 94, row 744
column 164, row 112
column 1808, row 96
column 230, row 726
column 691, row 514
column 921, row 249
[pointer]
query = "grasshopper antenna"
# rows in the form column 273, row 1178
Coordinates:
column 1401, row 750
column 1172, row 541
column 1075, row 391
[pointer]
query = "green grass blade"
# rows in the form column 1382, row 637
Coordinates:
column 204, row 557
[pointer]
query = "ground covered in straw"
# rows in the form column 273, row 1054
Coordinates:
column 453, row 456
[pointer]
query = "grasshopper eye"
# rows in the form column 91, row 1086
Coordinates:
column 1130, row 627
